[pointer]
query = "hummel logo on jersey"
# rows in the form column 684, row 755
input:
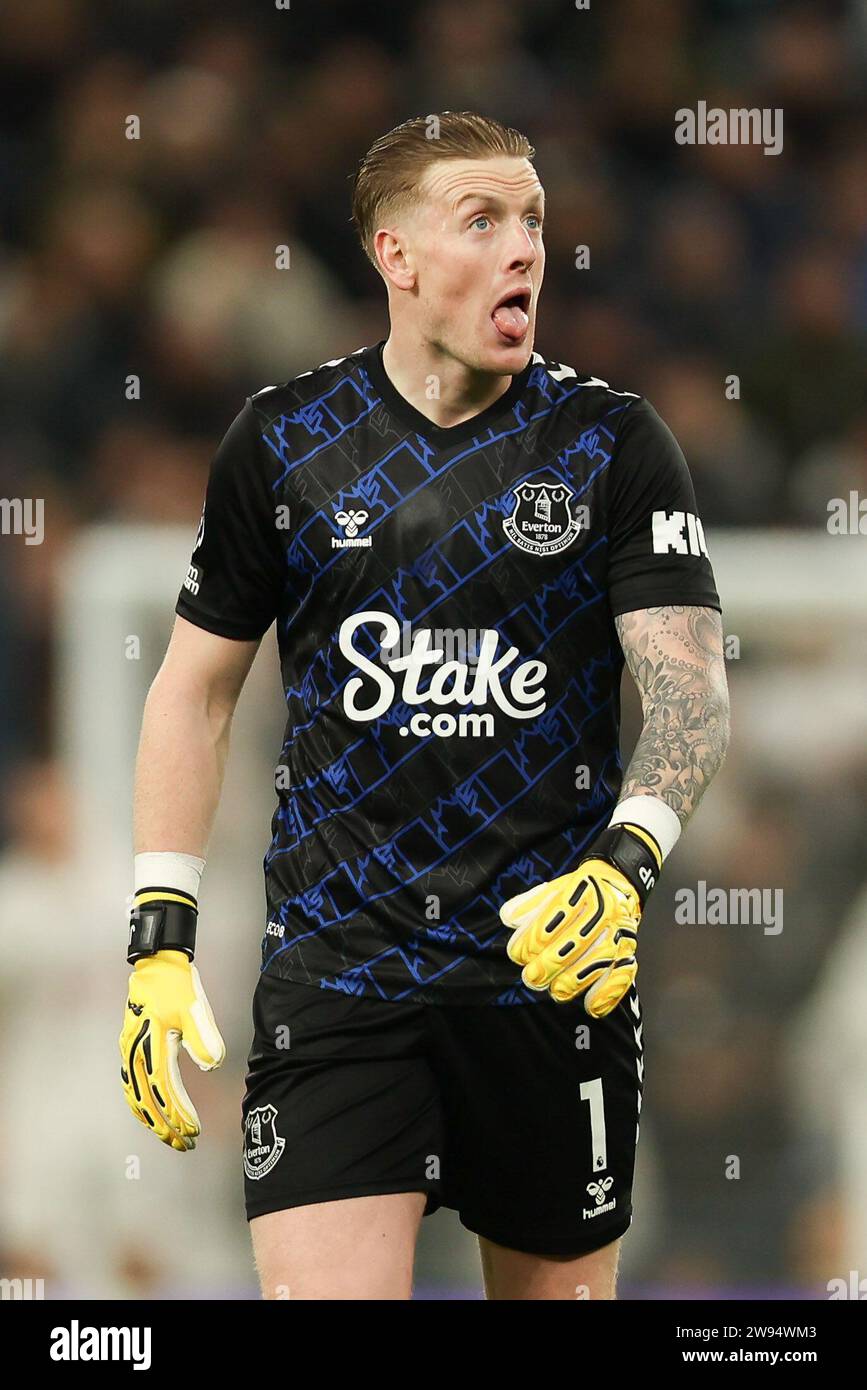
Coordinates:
column 541, row 522
column 599, row 1191
column 453, row 682
column 351, row 523
column 668, row 534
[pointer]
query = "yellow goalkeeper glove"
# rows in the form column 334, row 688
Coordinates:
column 166, row 1005
column 578, row 933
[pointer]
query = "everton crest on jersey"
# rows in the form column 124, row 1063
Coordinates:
column 543, row 522
column 444, row 601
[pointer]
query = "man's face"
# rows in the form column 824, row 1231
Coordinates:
column 475, row 244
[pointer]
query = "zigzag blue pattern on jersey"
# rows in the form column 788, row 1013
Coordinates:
column 311, row 901
column 334, row 774
column 361, row 980
column 313, row 417
column 532, row 867
column 528, row 870
column 312, row 695
column 470, row 805
column 566, row 582
column 368, row 487
column 396, row 606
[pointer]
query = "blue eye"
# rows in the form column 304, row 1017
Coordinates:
column 481, row 218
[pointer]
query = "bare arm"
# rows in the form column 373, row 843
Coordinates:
column 185, row 739
column 675, row 655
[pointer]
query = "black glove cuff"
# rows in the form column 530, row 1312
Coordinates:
column 162, row 925
column 629, row 854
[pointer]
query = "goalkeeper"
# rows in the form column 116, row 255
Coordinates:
column 452, row 927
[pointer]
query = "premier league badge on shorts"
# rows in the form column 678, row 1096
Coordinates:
column 262, row 1145
column 542, row 523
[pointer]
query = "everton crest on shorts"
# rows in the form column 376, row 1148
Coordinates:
column 263, row 1147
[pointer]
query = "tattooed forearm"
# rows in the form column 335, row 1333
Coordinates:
column 676, row 658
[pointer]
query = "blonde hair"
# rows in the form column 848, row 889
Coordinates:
column 389, row 175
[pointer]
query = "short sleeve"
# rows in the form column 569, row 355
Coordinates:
column 235, row 577
column 657, row 551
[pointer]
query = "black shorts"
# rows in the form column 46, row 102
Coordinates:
column 522, row 1118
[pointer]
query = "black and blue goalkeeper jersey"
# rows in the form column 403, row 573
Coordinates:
column 444, row 601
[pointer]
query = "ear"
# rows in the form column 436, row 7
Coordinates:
column 394, row 257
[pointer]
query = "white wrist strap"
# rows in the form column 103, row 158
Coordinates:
column 652, row 815
column 168, row 870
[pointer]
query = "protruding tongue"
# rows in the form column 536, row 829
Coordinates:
column 511, row 320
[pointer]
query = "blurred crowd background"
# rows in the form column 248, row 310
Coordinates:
column 155, row 258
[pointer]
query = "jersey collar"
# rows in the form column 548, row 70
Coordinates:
column 439, row 435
